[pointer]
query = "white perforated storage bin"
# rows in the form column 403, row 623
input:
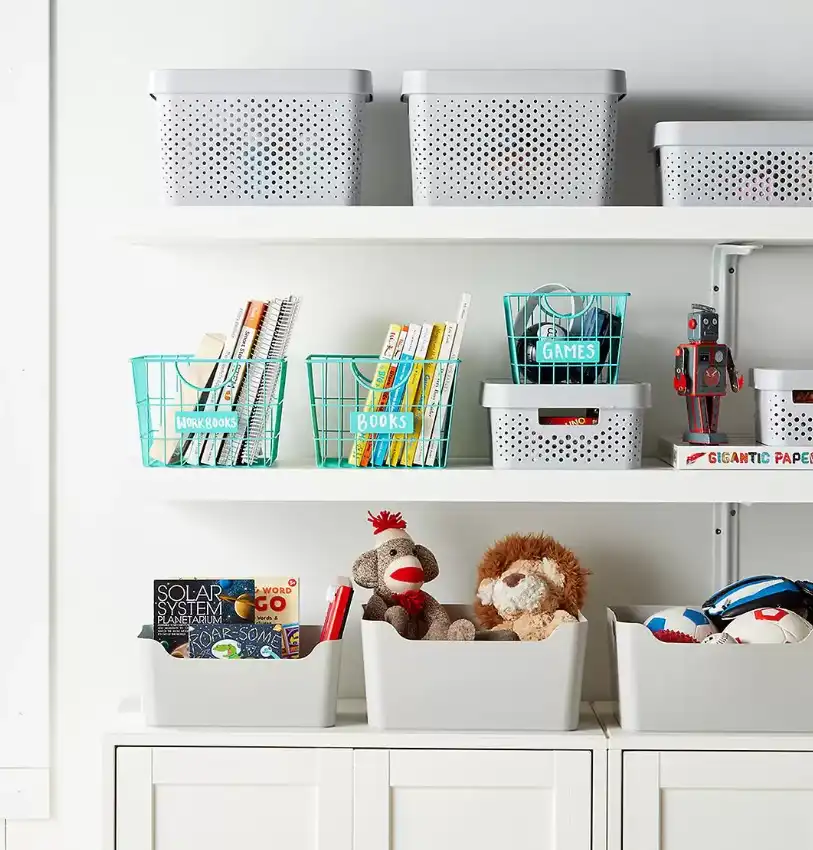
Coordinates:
column 533, row 138
column 538, row 426
column 251, row 137
column 679, row 687
column 784, row 406
column 735, row 163
column 480, row 684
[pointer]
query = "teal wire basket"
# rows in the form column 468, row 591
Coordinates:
column 373, row 413
column 558, row 336
column 195, row 412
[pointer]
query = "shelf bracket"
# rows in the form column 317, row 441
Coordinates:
column 724, row 292
column 726, row 551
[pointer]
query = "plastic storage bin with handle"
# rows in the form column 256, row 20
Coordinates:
column 784, row 406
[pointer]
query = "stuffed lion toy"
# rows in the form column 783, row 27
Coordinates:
column 528, row 584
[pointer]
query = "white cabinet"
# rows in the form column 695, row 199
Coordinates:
column 730, row 800
column 211, row 798
column 441, row 799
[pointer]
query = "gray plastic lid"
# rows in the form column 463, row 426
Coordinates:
column 621, row 396
column 736, row 133
column 262, row 81
column 782, row 380
column 551, row 81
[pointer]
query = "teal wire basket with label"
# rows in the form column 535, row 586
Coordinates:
column 201, row 412
column 369, row 412
column 559, row 336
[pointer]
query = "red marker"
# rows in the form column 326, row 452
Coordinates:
column 339, row 595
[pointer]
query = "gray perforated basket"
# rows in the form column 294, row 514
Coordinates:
column 261, row 137
column 735, row 163
column 513, row 137
column 784, row 406
column 523, row 438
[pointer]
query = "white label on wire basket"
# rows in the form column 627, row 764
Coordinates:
column 396, row 422
column 188, row 421
column 568, row 351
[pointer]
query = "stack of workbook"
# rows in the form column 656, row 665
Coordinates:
column 227, row 395
column 406, row 417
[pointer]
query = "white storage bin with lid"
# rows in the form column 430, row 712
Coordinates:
column 257, row 137
column 678, row 687
column 251, row 692
column 533, row 137
column 481, row 684
column 566, row 426
column 735, row 163
column 784, row 413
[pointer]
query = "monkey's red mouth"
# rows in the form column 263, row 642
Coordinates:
column 408, row 575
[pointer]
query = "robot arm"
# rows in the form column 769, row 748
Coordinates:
column 733, row 375
column 681, row 379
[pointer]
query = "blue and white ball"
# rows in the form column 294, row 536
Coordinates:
column 688, row 621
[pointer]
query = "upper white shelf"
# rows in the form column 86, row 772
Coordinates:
column 656, row 482
column 168, row 225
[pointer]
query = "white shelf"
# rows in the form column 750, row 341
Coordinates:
column 656, row 482
column 267, row 225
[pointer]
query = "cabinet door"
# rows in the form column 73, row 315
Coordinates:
column 477, row 799
column 724, row 800
column 208, row 798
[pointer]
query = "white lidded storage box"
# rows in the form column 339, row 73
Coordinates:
column 481, row 684
column 250, row 692
column 257, row 137
column 735, row 163
column 566, row 426
column 678, row 687
column 784, row 406
column 532, row 138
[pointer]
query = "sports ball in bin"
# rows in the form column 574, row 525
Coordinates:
column 691, row 622
column 769, row 625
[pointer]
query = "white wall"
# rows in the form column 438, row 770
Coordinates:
column 699, row 59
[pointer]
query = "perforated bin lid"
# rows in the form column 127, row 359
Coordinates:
column 535, row 396
column 598, row 81
column 782, row 380
column 733, row 133
column 262, row 81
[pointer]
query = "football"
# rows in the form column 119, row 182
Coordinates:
column 769, row 625
column 688, row 621
column 721, row 639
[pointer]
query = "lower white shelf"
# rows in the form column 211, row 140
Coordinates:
column 477, row 482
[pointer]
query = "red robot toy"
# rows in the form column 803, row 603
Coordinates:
column 701, row 367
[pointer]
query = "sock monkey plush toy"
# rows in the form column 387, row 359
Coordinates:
column 396, row 570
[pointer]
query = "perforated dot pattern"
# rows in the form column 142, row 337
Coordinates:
column 261, row 150
column 782, row 422
column 520, row 442
column 746, row 176
column 512, row 150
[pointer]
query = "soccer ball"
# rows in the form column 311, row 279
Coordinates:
column 769, row 625
column 721, row 639
column 688, row 621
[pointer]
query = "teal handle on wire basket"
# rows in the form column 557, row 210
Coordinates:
column 360, row 379
column 229, row 380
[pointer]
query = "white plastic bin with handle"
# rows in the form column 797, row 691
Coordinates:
column 784, row 406
column 513, row 137
column 486, row 685
column 261, row 137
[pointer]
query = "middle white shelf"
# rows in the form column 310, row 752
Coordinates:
column 478, row 482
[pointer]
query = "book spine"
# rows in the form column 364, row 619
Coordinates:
column 361, row 441
column 430, row 412
column 441, row 431
column 197, row 447
column 398, row 442
column 237, row 371
column 383, row 441
column 383, row 397
column 422, row 394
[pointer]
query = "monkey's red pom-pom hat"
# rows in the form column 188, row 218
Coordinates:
column 388, row 526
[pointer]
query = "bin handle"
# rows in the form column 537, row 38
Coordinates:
column 368, row 386
column 189, row 383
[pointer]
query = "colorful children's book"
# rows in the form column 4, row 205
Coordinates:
column 233, row 641
column 422, row 394
column 398, row 442
column 181, row 603
column 277, row 603
column 396, row 396
column 432, row 405
column 362, row 441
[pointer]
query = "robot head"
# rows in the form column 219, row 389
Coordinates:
column 704, row 324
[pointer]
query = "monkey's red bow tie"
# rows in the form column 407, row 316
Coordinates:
column 413, row 601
